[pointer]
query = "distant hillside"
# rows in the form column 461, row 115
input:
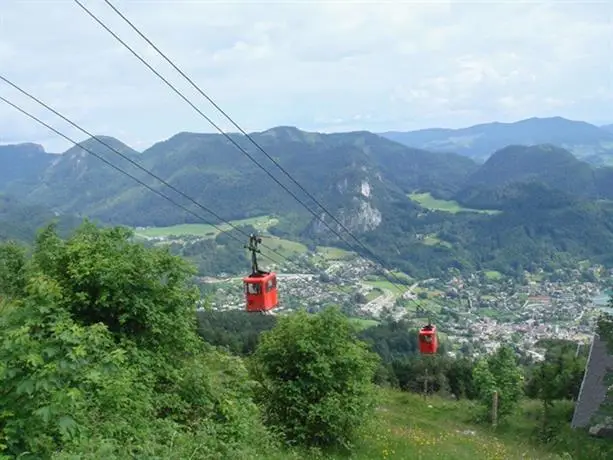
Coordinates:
column 76, row 179
column 545, row 199
column 23, row 165
column 480, row 141
column 540, row 224
column 353, row 171
column 552, row 166
column 21, row 222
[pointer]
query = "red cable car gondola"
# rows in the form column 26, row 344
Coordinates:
column 260, row 286
column 428, row 341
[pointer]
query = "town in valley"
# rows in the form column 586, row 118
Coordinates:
column 474, row 313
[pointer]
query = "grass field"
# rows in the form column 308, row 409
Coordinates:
column 362, row 323
column 261, row 223
column 493, row 275
column 285, row 247
column 402, row 276
column 375, row 293
column 411, row 427
column 408, row 426
column 383, row 285
column 433, row 240
column 330, row 253
column 428, row 201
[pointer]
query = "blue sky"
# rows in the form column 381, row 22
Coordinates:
column 326, row 66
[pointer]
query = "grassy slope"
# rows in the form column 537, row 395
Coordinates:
column 287, row 248
column 203, row 230
column 428, row 201
column 408, row 426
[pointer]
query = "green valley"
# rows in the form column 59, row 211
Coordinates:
column 497, row 299
column 261, row 224
column 440, row 291
column 429, row 202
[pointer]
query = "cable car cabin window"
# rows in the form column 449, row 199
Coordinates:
column 271, row 284
column 253, row 288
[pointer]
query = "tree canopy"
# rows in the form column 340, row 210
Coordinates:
column 100, row 355
column 315, row 378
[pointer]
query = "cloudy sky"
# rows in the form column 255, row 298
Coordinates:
column 326, row 66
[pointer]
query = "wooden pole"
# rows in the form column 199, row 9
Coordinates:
column 495, row 409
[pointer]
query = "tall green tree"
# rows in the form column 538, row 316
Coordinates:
column 315, row 378
column 99, row 353
column 500, row 373
column 12, row 270
column 558, row 377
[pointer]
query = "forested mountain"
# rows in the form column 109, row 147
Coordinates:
column 23, row 165
column 493, row 183
column 480, row 141
column 352, row 170
column 20, row 222
column 608, row 128
column 546, row 200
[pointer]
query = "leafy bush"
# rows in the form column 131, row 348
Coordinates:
column 100, row 357
column 500, row 373
column 315, row 378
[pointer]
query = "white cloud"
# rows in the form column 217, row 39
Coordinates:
column 326, row 65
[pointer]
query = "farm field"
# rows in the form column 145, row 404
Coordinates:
column 285, row 247
column 428, row 201
column 262, row 224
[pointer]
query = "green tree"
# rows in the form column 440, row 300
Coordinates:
column 139, row 293
column 100, row 355
column 559, row 376
column 499, row 372
column 315, row 378
column 12, row 270
column 605, row 327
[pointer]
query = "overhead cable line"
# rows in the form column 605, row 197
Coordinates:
column 229, row 138
column 247, row 135
column 117, row 168
column 125, row 157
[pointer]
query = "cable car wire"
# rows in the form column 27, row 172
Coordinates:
column 117, row 168
column 247, row 135
column 182, row 96
column 139, row 166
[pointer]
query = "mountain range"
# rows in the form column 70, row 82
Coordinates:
column 547, row 199
column 589, row 142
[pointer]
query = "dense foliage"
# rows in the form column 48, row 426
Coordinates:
column 233, row 330
column 315, row 378
column 498, row 375
column 551, row 213
column 100, row 356
column 20, row 221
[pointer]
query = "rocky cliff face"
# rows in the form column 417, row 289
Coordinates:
column 358, row 213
